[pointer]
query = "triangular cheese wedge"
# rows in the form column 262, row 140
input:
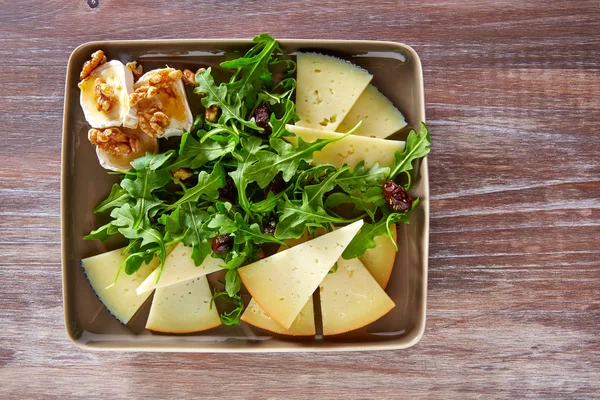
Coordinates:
column 379, row 117
column 303, row 325
column 349, row 150
column 120, row 299
column 179, row 267
column 282, row 283
column 380, row 259
column 351, row 298
column 327, row 89
column 183, row 308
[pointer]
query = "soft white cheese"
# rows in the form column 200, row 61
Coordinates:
column 380, row 118
column 282, row 283
column 173, row 102
column 179, row 267
column 183, row 308
column 120, row 80
column 326, row 90
column 349, row 150
column 121, row 298
column 351, row 298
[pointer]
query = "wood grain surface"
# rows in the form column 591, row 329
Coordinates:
column 513, row 102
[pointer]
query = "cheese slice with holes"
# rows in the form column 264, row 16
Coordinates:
column 179, row 267
column 351, row 298
column 349, row 150
column 327, row 88
column 380, row 259
column 380, row 118
column 183, row 308
column 303, row 325
column 120, row 299
column 282, row 283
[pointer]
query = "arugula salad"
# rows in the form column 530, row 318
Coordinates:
column 243, row 181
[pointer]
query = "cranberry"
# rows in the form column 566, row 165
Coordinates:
column 270, row 227
column 262, row 116
column 222, row 244
column 275, row 186
column 396, row 197
column 229, row 191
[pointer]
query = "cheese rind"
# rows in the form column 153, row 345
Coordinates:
column 120, row 299
column 351, row 298
column 380, row 259
column 326, row 90
column 183, row 308
column 303, row 325
column 179, row 267
column 282, row 283
column 380, row 118
column 349, row 150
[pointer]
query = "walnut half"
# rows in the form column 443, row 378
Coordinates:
column 136, row 70
column 104, row 95
column 98, row 58
column 153, row 121
column 113, row 141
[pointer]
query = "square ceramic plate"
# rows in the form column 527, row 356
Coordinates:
column 397, row 73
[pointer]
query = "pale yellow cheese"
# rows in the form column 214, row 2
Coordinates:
column 282, row 283
column 121, row 298
column 183, row 308
column 349, row 150
column 380, row 118
column 380, row 259
column 179, row 267
column 303, row 325
column 327, row 88
column 351, row 298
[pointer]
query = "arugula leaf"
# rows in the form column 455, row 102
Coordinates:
column 267, row 205
column 417, row 146
column 173, row 222
column 295, row 215
column 361, row 178
column 242, row 231
column 231, row 317
column 117, row 197
column 214, row 94
column 196, row 236
column 245, row 157
column 254, row 69
column 232, row 282
column 207, row 188
column 316, row 193
column 365, row 239
column 286, row 160
column 194, row 154
column 125, row 218
column 278, row 124
column 103, row 233
column 147, row 179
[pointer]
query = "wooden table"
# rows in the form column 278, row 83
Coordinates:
column 513, row 103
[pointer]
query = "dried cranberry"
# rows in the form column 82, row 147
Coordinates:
column 222, row 244
column 229, row 191
column 270, row 227
column 396, row 197
column 275, row 186
column 262, row 116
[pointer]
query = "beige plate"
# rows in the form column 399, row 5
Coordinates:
column 397, row 73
